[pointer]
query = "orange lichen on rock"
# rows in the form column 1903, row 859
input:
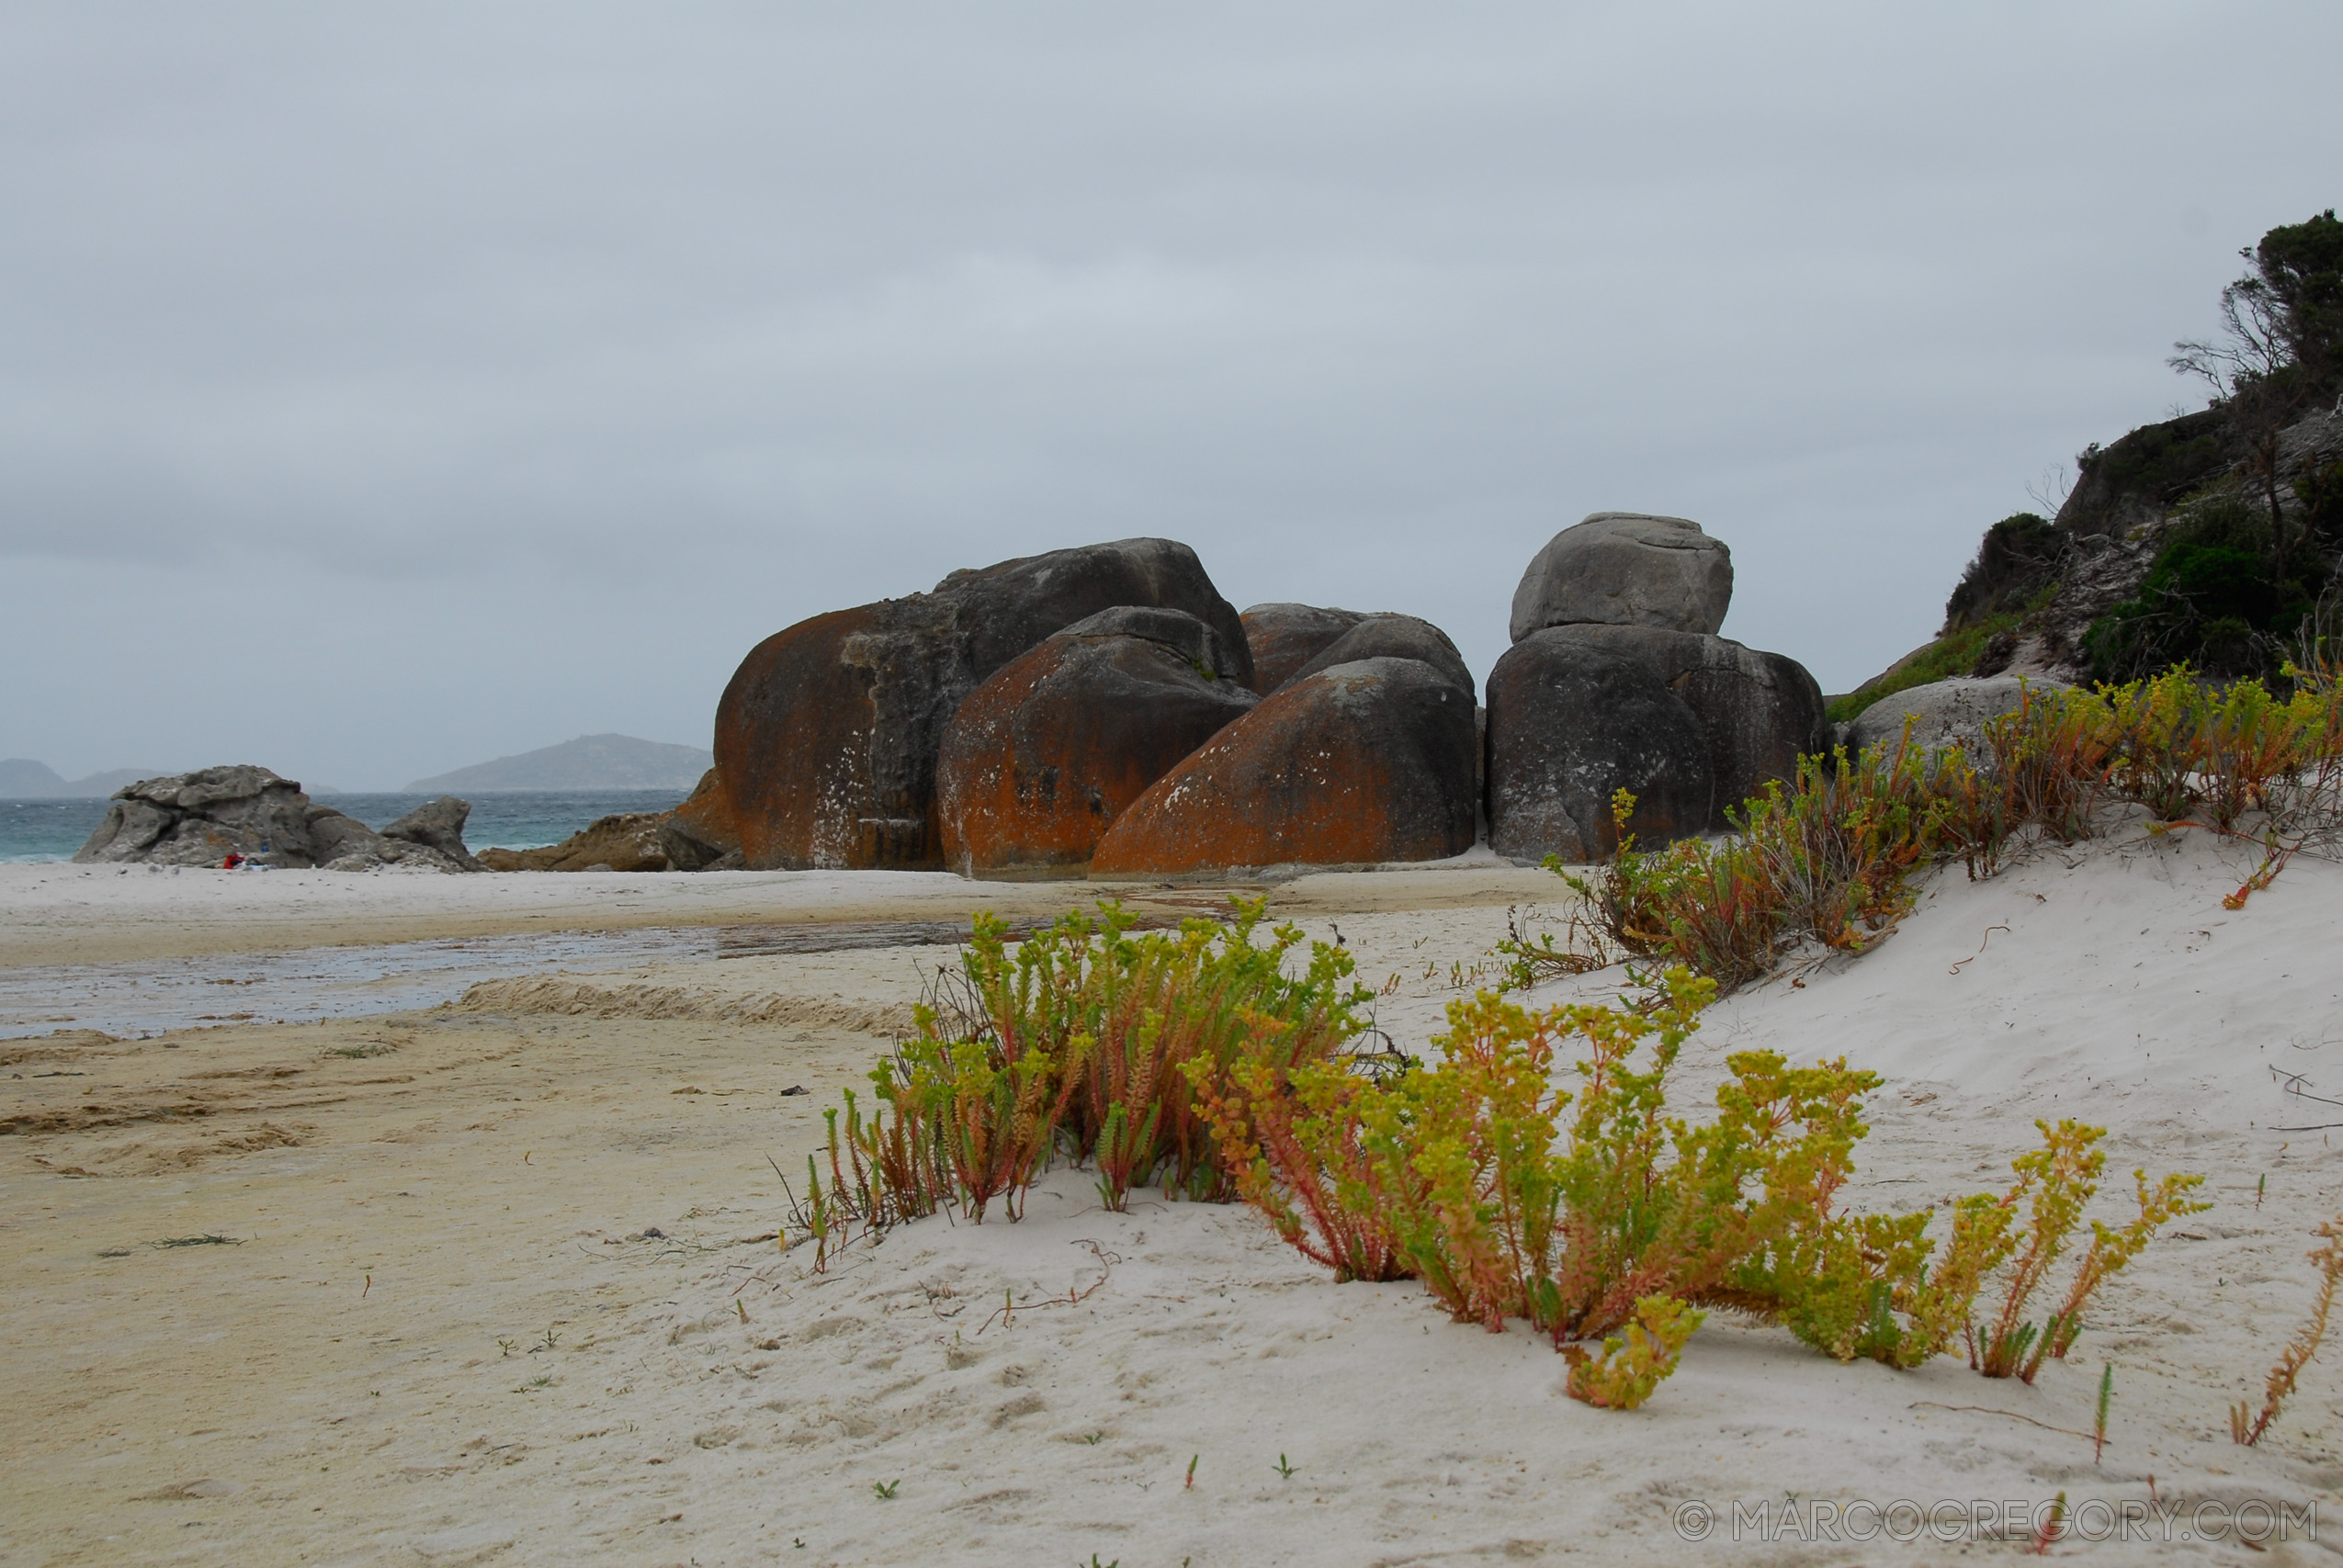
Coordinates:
column 1043, row 757
column 1358, row 764
column 827, row 737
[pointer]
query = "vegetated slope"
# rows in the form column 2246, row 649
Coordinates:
column 2212, row 539
column 591, row 762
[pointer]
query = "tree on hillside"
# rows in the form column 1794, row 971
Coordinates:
column 2280, row 353
column 2282, row 346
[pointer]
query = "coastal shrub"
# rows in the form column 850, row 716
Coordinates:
column 2016, row 559
column 1134, row 1021
column 1298, row 1151
column 1585, row 1212
column 1088, row 1043
column 1874, row 1286
column 1594, row 1213
column 1826, row 858
column 2319, row 492
column 1524, row 964
column 1863, row 1285
column 2222, row 594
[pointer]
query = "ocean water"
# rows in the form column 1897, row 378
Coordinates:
column 43, row 830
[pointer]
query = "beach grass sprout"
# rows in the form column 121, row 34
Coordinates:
column 2246, row 1425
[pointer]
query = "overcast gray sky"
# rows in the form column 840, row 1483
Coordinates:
column 387, row 389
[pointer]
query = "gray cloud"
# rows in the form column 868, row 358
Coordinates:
column 520, row 366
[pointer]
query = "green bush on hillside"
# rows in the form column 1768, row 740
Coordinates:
column 2220, row 597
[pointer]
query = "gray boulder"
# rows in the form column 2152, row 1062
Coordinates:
column 1759, row 712
column 201, row 818
column 1570, row 723
column 1392, row 637
column 437, row 825
column 1628, row 569
column 1943, row 713
column 1200, row 644
column 336, row 838
column 1283, row 637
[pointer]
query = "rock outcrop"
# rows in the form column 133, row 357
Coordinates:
column 1392, row 637
column 1283, row 637
column 694, row 836
column 249, row 813
column 1943, row 713
column 1570, row 721
column 1626, row 569
column 698, row 835
column 1759, row 712
column 1364, row 762
column 437, row 824
column 627, row 840
column 826, row 739
column 1047, row 752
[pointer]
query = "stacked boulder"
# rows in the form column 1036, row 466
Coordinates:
column 1104, row 711
column 1361, row 761
column 1039, row 759
column 1617, row 680
column 828, row 737
column 1092, row 709
column 227, row 815
column 1283, row 637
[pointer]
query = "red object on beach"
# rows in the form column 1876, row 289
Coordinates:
column 232, row 863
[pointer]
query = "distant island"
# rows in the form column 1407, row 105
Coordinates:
column 591, row 762
column 21, row 778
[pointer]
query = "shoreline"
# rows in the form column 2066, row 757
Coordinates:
column 502, row 1281
column 69, row 914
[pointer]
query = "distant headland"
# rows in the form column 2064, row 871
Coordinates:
column 21, row 778
column 591, row 762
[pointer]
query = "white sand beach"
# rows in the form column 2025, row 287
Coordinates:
column 501, row 1280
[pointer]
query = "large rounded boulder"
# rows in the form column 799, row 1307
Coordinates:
column 826, row 739
column 1943, row 714
column 1570, row 722
column 1626, row 569
column 1759, row 712
column 1045, row 755
column 1393, row 636
column 1359, row 764
column 1283, row 637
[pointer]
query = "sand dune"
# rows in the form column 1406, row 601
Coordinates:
column 502, row 1282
